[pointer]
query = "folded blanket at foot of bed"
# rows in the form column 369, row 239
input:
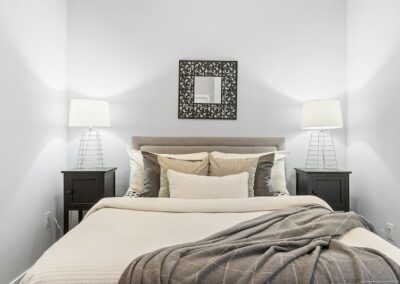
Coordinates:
column 295, row 245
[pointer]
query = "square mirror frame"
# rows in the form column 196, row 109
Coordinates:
column 188, row 70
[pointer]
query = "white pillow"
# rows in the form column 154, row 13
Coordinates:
column 207, row 187
column 137, row 167
column 278, row 175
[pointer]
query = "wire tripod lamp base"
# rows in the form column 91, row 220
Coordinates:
column 90, row 153
column 321, row 151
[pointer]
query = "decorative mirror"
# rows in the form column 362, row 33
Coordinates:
column 207, row 89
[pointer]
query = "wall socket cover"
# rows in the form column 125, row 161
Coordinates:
column 47, row 216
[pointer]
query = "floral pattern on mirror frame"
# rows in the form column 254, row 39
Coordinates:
column 227, row 109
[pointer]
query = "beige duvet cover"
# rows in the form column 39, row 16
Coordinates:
column 117, row 230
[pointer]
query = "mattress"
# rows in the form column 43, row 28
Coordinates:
column 117, row 230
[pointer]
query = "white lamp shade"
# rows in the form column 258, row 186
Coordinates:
column 89, row 113
column 322, row 114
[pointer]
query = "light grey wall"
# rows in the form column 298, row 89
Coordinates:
column 32, row 123
column 127, row 52
column 373, row 109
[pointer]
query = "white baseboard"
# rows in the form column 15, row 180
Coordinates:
column 16, row 280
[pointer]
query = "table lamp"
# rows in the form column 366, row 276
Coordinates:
column 90, row 114
column 322, row 116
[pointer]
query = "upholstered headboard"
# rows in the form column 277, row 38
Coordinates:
column 184, row 145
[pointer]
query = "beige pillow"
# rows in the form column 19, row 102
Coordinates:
column 278, row 175
column 205, row 187
column 137, row 167
column 188, row 167
column 137, row 170
column 223, row 167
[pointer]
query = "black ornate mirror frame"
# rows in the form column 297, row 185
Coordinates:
column 188, row 70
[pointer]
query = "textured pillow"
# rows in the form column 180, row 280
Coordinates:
column 189, row 167
column 205, row 187
column 278, row 175
column 137, row 166
column 137, row 171
column 262, row 178
column 223, row 167
column 151, row 183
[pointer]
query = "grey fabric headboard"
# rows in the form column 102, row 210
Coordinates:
column 184, row 145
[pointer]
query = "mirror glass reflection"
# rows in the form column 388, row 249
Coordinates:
column 207, row 90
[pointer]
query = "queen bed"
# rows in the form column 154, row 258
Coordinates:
column 118, row 230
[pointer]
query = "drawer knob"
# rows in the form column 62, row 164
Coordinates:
column 314, row 192
column 69, row 192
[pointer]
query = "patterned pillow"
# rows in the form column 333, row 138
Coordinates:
column 131, row 193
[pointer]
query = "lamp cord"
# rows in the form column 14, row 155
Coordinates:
column 58, row 225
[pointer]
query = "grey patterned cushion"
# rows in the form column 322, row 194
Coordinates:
column 131, row 194
column 262, row 177
column 151, row 183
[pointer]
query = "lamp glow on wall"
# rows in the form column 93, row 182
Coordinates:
column 322, row 116
column 90, row 114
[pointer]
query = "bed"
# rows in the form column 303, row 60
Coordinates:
column 118, row 230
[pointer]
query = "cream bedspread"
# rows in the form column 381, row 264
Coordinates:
column 117, row 230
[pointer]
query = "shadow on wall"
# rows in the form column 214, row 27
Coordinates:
column 33, row 153
column 32, row 119
column 374, row 114
column 373, row 137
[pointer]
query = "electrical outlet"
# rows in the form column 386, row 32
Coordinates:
column 390, row 231
column 47, row 216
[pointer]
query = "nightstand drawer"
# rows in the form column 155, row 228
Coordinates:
column 332, row 189
column 330, row 185
column 81, row 189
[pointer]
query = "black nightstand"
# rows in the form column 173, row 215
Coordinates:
column 85, row 187
column 329, row 185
